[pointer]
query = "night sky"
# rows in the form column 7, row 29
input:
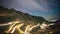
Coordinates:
column 49, row 9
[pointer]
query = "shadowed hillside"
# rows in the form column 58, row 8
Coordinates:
column 10, row 15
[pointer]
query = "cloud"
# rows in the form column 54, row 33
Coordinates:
column 24, row 5
column 32, row 5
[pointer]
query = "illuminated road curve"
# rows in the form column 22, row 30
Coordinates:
column 17, row 25
column 9, row 23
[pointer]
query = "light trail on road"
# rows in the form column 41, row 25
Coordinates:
column 16, row 25
column 9, row 23
column 34, row 27
column 43, row 25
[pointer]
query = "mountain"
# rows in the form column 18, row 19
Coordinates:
column 9, row 15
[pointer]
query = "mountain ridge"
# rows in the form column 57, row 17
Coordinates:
column 20, row 15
